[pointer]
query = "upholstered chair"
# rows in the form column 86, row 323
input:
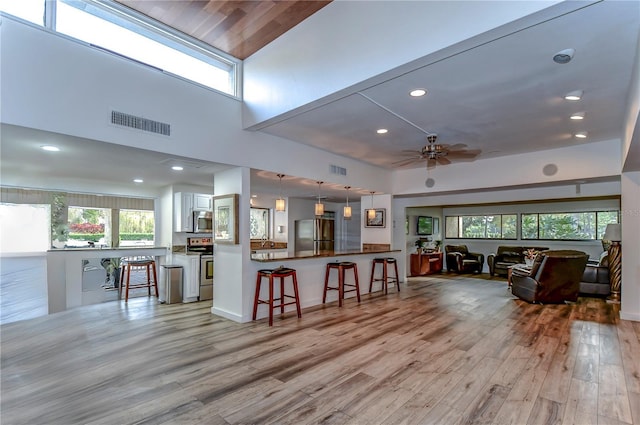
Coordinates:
column 554, row 277
column 460, row 260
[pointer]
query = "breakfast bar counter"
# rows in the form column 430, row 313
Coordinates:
column 311, row 267
column 266, row 256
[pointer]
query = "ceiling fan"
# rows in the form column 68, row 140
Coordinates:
column 435, row 153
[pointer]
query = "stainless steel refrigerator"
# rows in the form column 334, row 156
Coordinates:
column 314, row 235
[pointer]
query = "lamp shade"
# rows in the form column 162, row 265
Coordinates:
column 319, row 208
column 280, row 204
column 371, row 214
column 347, row 212
column 613, row 232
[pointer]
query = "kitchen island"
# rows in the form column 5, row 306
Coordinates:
column 65, row 271
column 310, row 268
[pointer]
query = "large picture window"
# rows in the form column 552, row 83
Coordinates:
column 496, row 226
column 574, row 226
column 115, row 28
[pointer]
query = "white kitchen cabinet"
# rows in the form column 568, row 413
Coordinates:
column 191, row 276
column 202, row 202
column 183, row 212
column 184, row 204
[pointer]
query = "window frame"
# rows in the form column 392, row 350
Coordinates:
column 459, row 218
column 597, row 232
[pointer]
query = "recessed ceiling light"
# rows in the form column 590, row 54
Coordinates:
column 138, row 181
column 50, row 148
column 418, row 92
column 382, row 131
column 177, row 168
column 563, row 56
column 574, row 95
column 578, row 116
column 581, row 135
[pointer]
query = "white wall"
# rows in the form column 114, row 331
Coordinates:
column 630, row 287
column 50, row 82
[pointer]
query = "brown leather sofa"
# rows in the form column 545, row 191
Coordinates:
column 460, row 260
column 595, row 279
column 508, row 256
column 554, row 277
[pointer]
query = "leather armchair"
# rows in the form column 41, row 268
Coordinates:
column 554, row 277
column 595, row 279
column 508, row 256
column 460, row 260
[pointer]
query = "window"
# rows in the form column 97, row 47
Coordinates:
column 25, row 227
column 137, row 228
column 29, row 10
column 259, row 223
column 498, row 226
column 120, row 30
column 89, row 226
column 580, row 226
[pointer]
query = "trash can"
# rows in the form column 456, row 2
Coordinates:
column 171, row 288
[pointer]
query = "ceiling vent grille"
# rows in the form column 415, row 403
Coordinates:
column 334, row 169
column 139, row 123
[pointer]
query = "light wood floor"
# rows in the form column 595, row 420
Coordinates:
column 446, row 350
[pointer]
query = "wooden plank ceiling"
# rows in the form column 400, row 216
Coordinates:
column 239, row 28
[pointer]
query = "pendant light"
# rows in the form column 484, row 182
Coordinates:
column 319, row 205
column 371, row 213
column 347, row 208
column 280, row 203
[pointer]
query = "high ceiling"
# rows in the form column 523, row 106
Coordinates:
column 239, row 28
column 501, row 96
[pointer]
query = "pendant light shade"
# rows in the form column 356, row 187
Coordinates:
column 371, row 213
column 319, row 206
column 280, row 202
column 347, row 209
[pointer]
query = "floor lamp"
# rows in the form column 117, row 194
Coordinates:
column 613, row 233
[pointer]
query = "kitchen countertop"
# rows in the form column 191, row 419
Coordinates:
column 278, row 256
column 120, row 248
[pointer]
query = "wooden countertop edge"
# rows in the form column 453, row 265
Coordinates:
column 311, row 256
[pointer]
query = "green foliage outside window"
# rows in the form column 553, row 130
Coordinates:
column 567, row 226
column 497, row 226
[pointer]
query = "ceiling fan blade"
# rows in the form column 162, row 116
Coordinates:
column 443, row 161
column 408, row 161
column 464, row 154
column 456, row 147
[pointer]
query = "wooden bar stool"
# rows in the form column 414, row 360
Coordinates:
column 148, row 264
column 385, row 279
column 271, row 274
column 341, row 268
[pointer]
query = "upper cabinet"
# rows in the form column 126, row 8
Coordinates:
column 202, row 202
column 184, row 205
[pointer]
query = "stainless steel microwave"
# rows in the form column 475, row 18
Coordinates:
column 202, row 222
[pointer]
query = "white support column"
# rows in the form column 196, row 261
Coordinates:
column 630, row 220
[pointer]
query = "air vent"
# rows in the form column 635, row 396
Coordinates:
column 334, row 169
column 139, row 123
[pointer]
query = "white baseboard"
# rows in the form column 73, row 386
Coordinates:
column 635, row 317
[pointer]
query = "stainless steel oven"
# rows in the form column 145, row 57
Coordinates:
column 204, row 248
